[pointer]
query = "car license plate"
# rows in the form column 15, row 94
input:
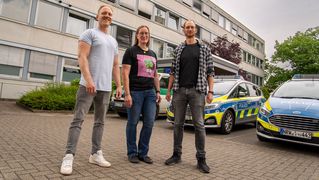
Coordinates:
column 118, row 104
column 299, row 134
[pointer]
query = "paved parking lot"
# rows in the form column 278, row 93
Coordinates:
column 32, row 146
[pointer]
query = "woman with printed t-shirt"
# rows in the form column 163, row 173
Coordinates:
column 141, row 86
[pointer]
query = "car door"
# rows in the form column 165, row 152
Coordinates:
column 241, row 103
column 253, row 102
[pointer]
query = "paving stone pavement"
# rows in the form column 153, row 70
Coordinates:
column 32, row 146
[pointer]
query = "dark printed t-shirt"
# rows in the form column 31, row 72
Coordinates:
column 189, row 66
column 143, row 67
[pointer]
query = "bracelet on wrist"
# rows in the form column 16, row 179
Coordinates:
column 212, row 92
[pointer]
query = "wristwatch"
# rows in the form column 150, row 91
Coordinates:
column 157, row 91
column 212, row 92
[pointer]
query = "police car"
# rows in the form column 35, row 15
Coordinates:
column 292, row 112
column 236, row 101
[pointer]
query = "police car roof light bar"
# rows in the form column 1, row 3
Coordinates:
column 229, row 77
column 305, row 76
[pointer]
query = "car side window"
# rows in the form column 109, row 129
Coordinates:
column 242, row 90
column 233, row 94
column 164, row 83
column 252, row 90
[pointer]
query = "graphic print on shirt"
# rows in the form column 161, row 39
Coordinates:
column 146, row 66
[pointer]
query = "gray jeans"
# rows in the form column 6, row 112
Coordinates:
column 84, row 101
column 196, row 101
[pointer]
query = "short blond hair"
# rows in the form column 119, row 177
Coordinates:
column 102, row 6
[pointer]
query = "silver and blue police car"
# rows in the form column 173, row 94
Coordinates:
column 292, row 112
column 236, row 101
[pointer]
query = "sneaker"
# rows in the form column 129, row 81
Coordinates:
column 133, row 159
column 98, row 159
column 66, row 167
column 146, row 159
column 174, row 159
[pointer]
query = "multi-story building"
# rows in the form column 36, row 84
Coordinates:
column 38, row 38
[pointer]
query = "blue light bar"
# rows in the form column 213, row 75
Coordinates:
column 305, row 76
column 229, row 77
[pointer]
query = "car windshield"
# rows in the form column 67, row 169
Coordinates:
column 298, row 89
column 223, row 87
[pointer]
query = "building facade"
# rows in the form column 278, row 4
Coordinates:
column 38, row 38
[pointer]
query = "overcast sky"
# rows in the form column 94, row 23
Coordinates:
column 273, row 19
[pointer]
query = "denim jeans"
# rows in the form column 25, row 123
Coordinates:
column 143, row 101
column 83, row 103
column 196, row 101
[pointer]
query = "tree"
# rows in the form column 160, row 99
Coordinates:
column 301, row 51
column 228, row 50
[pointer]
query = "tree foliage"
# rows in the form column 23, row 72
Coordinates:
column 301, row 51
column 225, row 49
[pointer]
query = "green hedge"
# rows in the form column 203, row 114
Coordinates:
column 51, row 97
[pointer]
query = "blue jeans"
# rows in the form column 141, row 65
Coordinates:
column 143, row 101
column 196, row 101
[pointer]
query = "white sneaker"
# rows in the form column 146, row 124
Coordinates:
column 66, row 167
column 98, row 159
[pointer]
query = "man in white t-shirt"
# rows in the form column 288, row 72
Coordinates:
column 98, row 60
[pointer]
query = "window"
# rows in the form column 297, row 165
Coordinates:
column 124, row 37
column 253, row 90
column 197, row 35
column 158, row 47
column 197, row 5
column 215, row 16
column 221, row 21
column 49, row 15
column 129, row 4
column 240, row 32
column 182, row 24
column 71, row 70
column 244, row 56
column 145, row 8
column 160, row 15
column 15, row 9
column 213, row 37
column 11, row 60
column 172, row 22
column 169, row 50
column 42, row 65
column 76, row 24
column 227, row 25
column 234, row 29
column 205, row 35
column 206, row 10
column 242, row 90
column 188, row 2
column 245, row 36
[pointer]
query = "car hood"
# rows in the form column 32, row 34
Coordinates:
column 295, row 106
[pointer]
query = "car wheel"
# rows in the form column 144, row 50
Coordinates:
column 227, row 123
column 262, row 139
column 121, row 114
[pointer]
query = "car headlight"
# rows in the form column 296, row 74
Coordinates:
column 212, row 106
column 264, row 111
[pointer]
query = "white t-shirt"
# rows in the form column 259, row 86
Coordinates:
column 103, row 50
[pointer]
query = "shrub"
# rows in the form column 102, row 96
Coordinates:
column 51, row 97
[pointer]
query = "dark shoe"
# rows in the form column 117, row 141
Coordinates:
column 202, row 166
column 146, row 159
column 133, row 159
column 174, row 159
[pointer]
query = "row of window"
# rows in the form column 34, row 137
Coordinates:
column 37, row 65
column 47, row 15
column 251, row 59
